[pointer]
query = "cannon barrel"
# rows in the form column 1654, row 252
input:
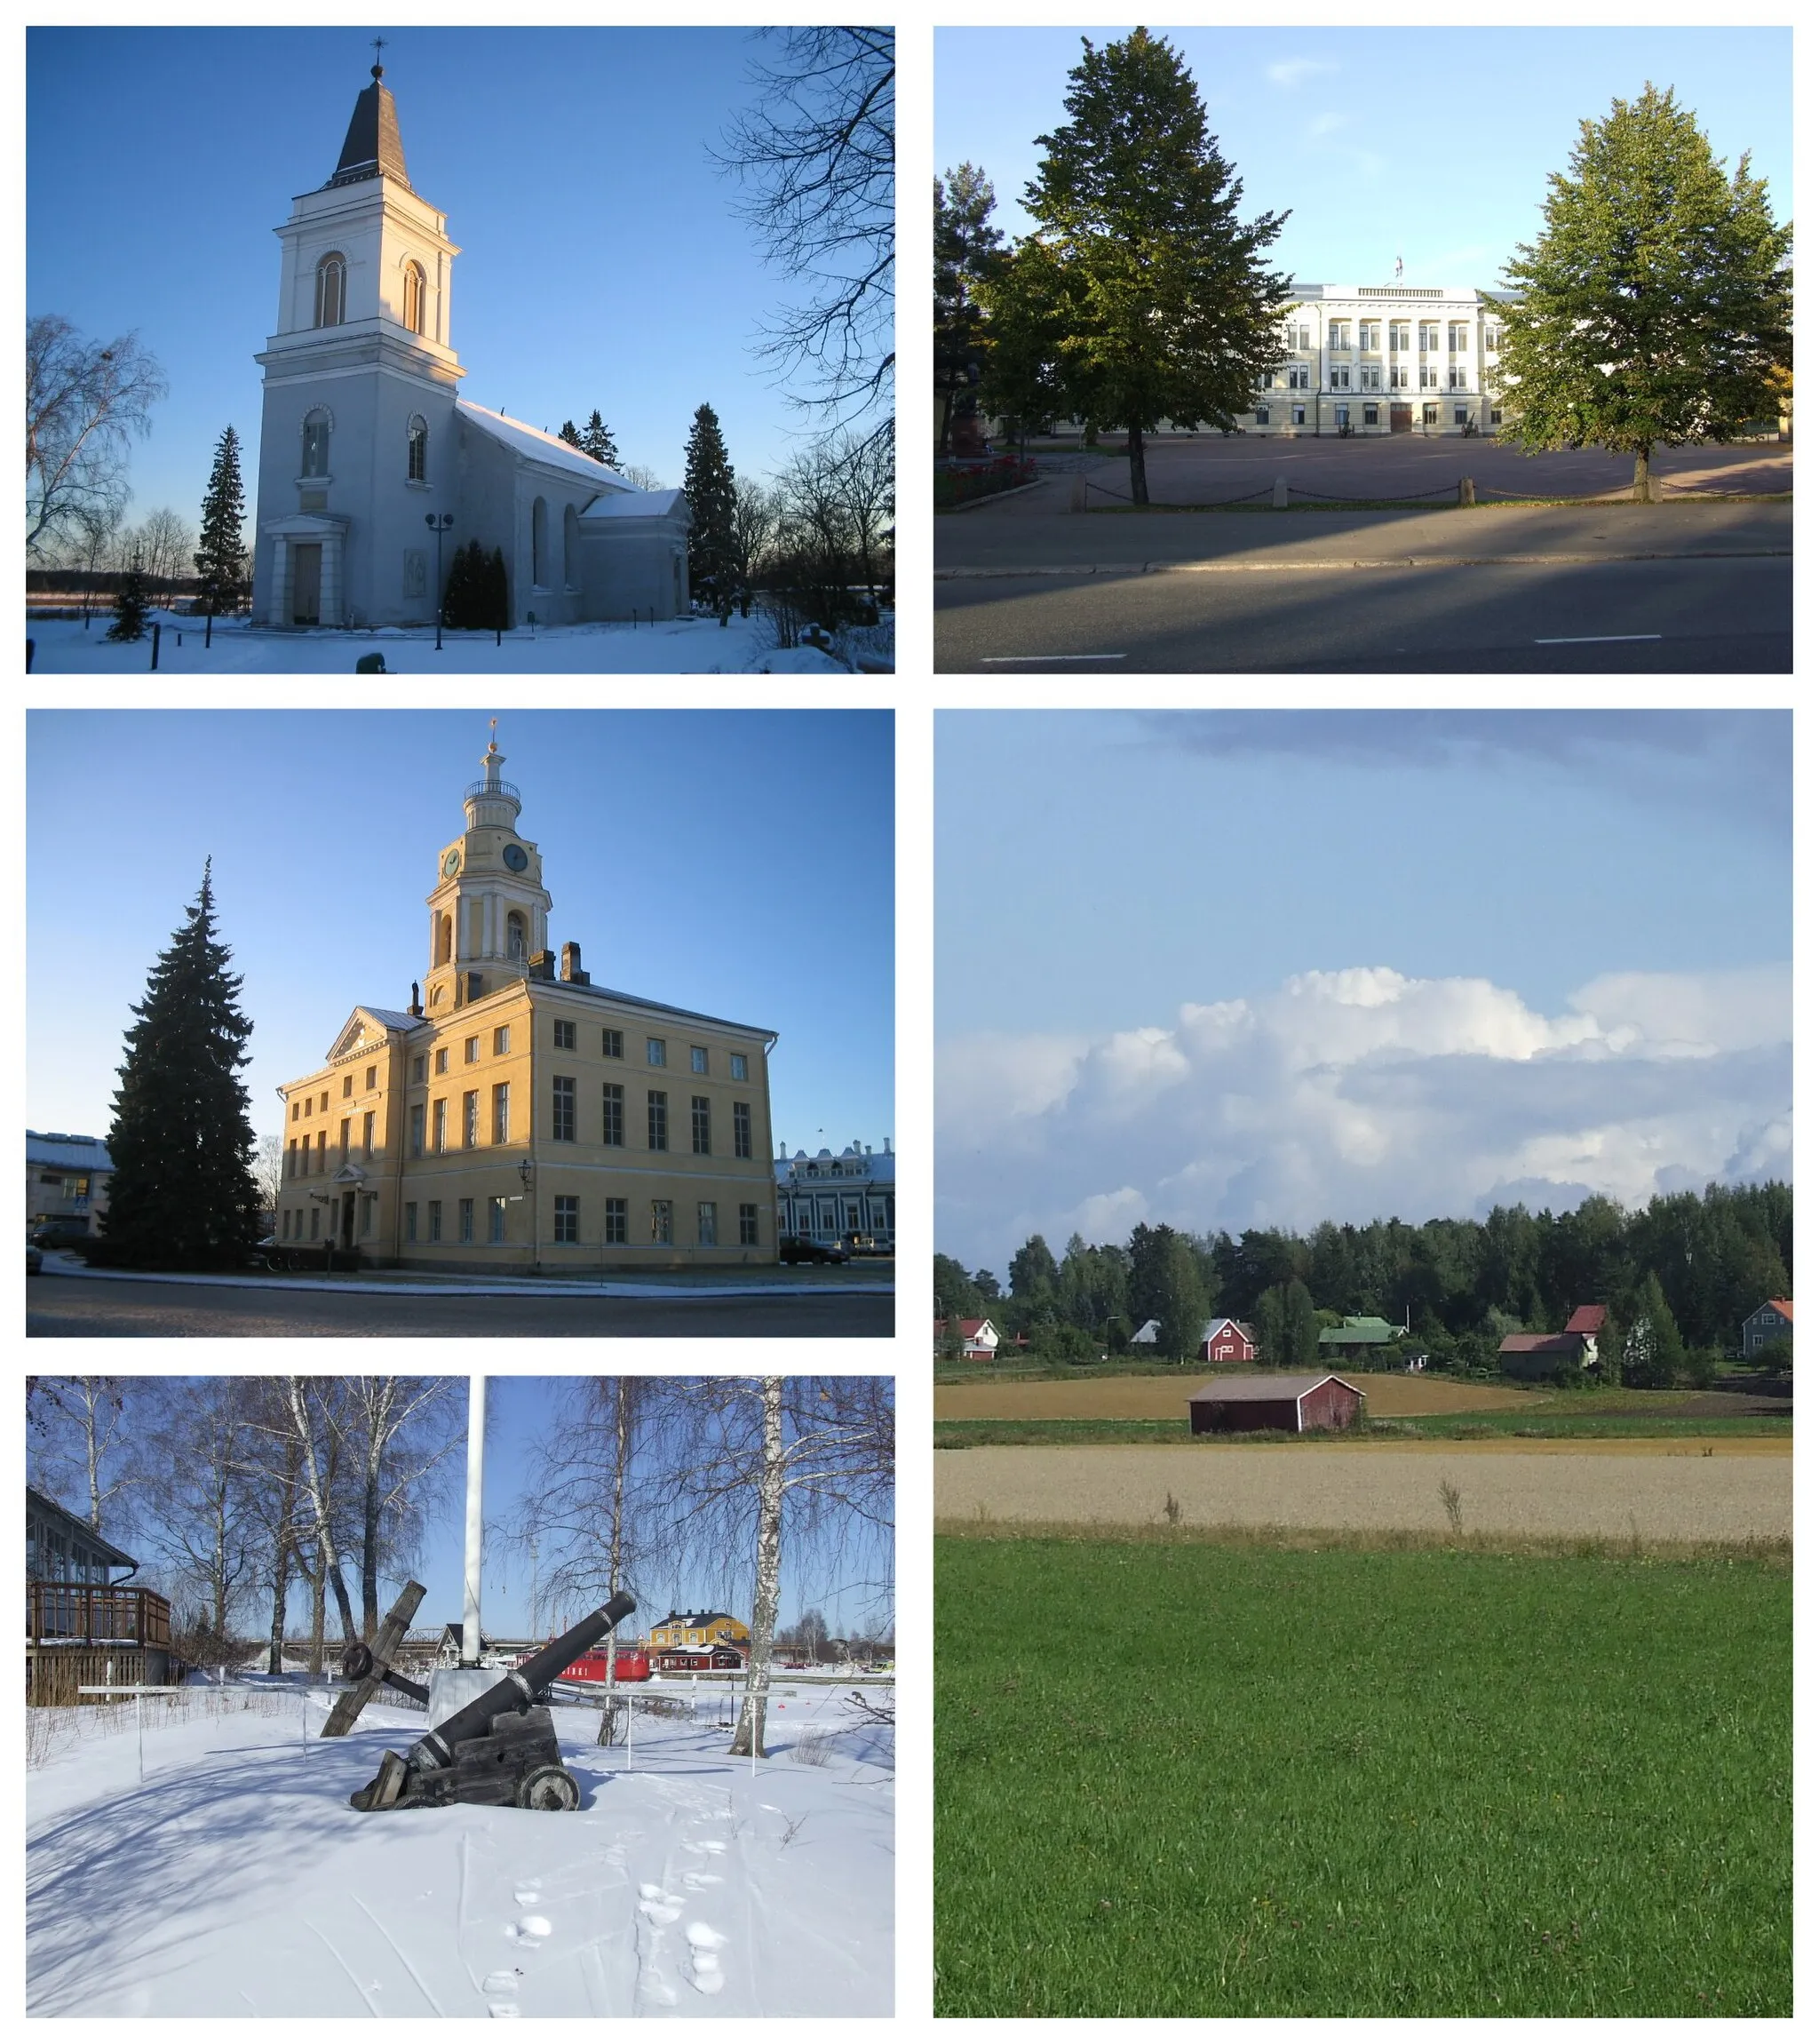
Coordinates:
column 517, row 1690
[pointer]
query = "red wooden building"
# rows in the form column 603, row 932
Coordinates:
column 1273, row 1406
column 1228, row 1341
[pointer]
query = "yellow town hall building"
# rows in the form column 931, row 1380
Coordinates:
column 516, row 1118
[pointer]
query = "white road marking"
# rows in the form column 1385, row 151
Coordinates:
column 1602, row 639
column 1024, row 659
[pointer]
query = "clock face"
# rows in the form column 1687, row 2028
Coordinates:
column 516, row 857
column 451, row 865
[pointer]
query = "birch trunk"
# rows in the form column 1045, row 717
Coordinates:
column 748, row 1738
column 622, row 1451
column 319, row 1499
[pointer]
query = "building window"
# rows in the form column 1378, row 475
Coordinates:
column 372, row 1078
column 416, row 1069
column 496, row 1217
column 1262, row 415
column 706, row 1225
column 1430, row 377
column 1493, row 339
column 470, row 1051
column 284, row 1223
column 439, row 1120
column 1496, row 416
column 697, row 1058
column 1341, row 377
column 742, row 1128
column 1342, row 415
column 1398, row 335
column 502, row 1042
column 1370, row 377
column 1459, row 341
column 470, row 1119
column 502, row 1114
column 698, row 1124
column 366, row 1134
column 346, row 1130
column 316, row 446
column 416, row 1130
column 291, row 1158
column 346, row 1085
column 296, row 1108
column 441, row 1062
column 1298, row 376
column 413, row 297
column 1430, row 334
column 562, row 1110
column 568, row 1217
column 611, row 1043
column 616, row 1221
column 655, row 1051
column 435, row 1220
column 1460, row 415
column 613, row 1115
column 331, row 291
column 465, row 1223
column 662, row 1220
column 1338, row 335
column 1297, row 415
column 1430, row 415
column 657, row 1120
column 1369, row 336
column 1457, row 379
column 517, row 943
column 736, row 1064
column 410, row 1221
column 1370, row 415
column 748, row 1227
column 316, row 1222
column 1399, row 379
column 565, row 1036
column 416, row 450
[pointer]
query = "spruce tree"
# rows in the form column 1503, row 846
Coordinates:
column 707, row 483
column 182, row 1195
column 1655, row 307
column 221, row 559
column 496, row 613
column 598, row 440
column 570, row 431
column 966, row 253
column 1150, row 299
column 133, row 602
column 457, row 596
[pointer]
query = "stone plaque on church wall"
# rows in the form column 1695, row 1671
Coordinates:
column 416, row 571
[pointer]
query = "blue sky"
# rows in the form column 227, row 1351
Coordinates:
column 1431, row 143
column 601, row 263
column 1230, row 968
column 663, row 838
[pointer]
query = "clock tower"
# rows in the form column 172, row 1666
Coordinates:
column 488, row 913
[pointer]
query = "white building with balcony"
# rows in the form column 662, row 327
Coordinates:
column 826, row 1199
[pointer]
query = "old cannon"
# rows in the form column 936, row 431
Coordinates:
column 500, row 1748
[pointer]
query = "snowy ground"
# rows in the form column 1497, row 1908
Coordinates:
column 235, row 1880
column 682, row 646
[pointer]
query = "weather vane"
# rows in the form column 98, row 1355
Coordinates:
column 378, row 44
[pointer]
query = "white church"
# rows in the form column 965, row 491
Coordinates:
column 366, row 439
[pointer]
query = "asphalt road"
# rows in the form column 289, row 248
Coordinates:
column 81, row 1306
column 1691, row 616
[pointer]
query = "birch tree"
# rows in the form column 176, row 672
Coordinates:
column 318, row 1465
column 399, row 1432
column 82, row 1432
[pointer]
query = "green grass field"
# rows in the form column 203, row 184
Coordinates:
column 1182, row 1777
column 1542, row 1425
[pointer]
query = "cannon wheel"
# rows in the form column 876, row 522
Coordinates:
column 548, row 1788
column 357, row 1662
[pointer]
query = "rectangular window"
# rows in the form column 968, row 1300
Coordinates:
column 1298, row 376
column 470, row 1119
column 368, row 1214
column 706, row 1226
column 1460, row 415
column 1369, row 335
column 440, row 1121
column 1370, row 415
column 1342, row 415
column 616, row 1221
column 470, row 1051
column 699, row 1132
column 285, row 1228
column 1430, row 415
column 502, row 1114
column 657, row 1120
column 366, row 1134
column 316, row 1222
column 1398, row 335
column 416, row 1069
column 1457, row 379
column 697, row 1058
column 656, row 1050
column 502, row 1041
column 296, row 1108
column 495, row 1218
column 1338, row 335
column 662, row 1220
column 346, row 1134
column 410, row 1221
column 1496, row 416
column 748, row 1227
column 565, row 1036
column 568, row 1217
column 1430, row 377
column 322, row 1150
column 1297, row 415
column 1399, row 379
column 611, row 1043
column 466, row 1221
column 435, row 1220
column 1459, row 339
column 1430, row 334
column 1493, row 339
column 325, row 1102
column 1370, row 377
column 309, row 1104
column 742, row 1128
column 613, row 1115
column 1341, row 377
column 372, row 1078
column 347, row 1086
column 562, row 1110
column 291, row 1158
column 441, row 1062
column 1263, row 415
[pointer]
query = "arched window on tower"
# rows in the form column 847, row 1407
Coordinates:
column 331, row 291
column 316, row 426
column 539, row 542
column 517, row 938
column 413, row 297
column 417, row 441
column 445, row 938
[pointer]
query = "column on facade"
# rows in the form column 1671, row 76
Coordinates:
column 332, row 612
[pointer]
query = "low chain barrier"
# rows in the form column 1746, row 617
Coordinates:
column 1377, row 497
column 1123, row 496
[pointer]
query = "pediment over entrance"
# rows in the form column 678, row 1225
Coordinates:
column 350, row 1174
column 368, row 1029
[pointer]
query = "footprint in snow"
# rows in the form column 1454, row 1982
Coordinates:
column 528, row 1930
column 527, row 1894
column 503, row 1983
column 704, row 1945
column 656, row 1904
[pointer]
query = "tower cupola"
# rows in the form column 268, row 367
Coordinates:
column 372, row 148
column 488, row 913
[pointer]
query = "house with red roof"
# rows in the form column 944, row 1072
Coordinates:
column 978, row 1339
column 1539, row 1355
column 1773, row 1321
column 1228, row 1341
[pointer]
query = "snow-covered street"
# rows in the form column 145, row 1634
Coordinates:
column 236, row 1879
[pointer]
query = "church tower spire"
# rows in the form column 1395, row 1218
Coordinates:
column 372, row 148
column 489, row 911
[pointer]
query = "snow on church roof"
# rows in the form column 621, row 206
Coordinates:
column 637, row 504
column 540, row 446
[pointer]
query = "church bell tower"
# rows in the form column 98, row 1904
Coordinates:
column 488, row 913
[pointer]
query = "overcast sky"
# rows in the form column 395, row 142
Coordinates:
column 665, row 839
column 1430, row 143
column 1245, row 968
column 601, row 263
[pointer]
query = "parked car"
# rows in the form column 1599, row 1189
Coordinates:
column 801, row 1249
column 62, row 1235
column 861, row 1244
column 34, row 1259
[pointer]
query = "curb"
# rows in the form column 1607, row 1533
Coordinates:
column 1329, row 566
column 502, row 1288
column 997, row 496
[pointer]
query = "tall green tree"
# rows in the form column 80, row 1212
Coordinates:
column 1033, row 1271
column 1156, row 297
column 1184, row 1309
column 182, row 1195
column 1652, row 1346
column 221, row 556
column 132, row 601
column 965, row 251
column 1655, row 307
column 707, row 483
column 597, row 440
column 569, row 432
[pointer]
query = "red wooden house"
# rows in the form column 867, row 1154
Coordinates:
column 1273, row 1406
column 1228, row 1341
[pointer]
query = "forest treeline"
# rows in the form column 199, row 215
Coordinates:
column 1709, row 1258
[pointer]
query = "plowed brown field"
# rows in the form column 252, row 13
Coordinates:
column 1388, row 1395
column 1651, row 1491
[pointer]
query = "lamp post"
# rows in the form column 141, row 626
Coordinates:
column 439, row 522
column 526, row 1170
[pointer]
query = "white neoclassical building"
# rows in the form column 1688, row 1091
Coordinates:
column 365, row 439
column 825, row 1197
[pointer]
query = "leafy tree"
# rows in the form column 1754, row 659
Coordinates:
column 1655, row 307
column 965, row 250
column 183, row 1195
column 1652, row 1351
column 957, row 1297
column 132, row 603
column 1156, row 297
column 221, row 558
column 1033, row 1271
column 1183, row 1309
column 596, row 441
column 987, row 1283
column 707, row 483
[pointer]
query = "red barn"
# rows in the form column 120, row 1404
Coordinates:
column 1228, row 1341
column 1274, row 1404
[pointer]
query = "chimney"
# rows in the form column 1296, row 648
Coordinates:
column 571, row 964
column 542, row 965
column 887, row 1146
column 416, row 1008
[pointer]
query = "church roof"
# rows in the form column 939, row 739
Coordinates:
column 372, row 148
column 636, row 503
column 537, row 445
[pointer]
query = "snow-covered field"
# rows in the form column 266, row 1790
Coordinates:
column 681, row 645
column 235, row 1880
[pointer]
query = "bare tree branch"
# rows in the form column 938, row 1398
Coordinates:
column 85, row 405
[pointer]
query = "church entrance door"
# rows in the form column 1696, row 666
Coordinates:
column 348, row 1220
column 306, row 584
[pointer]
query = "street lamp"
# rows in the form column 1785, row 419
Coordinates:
column 439, row 522
column 525, row 1172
